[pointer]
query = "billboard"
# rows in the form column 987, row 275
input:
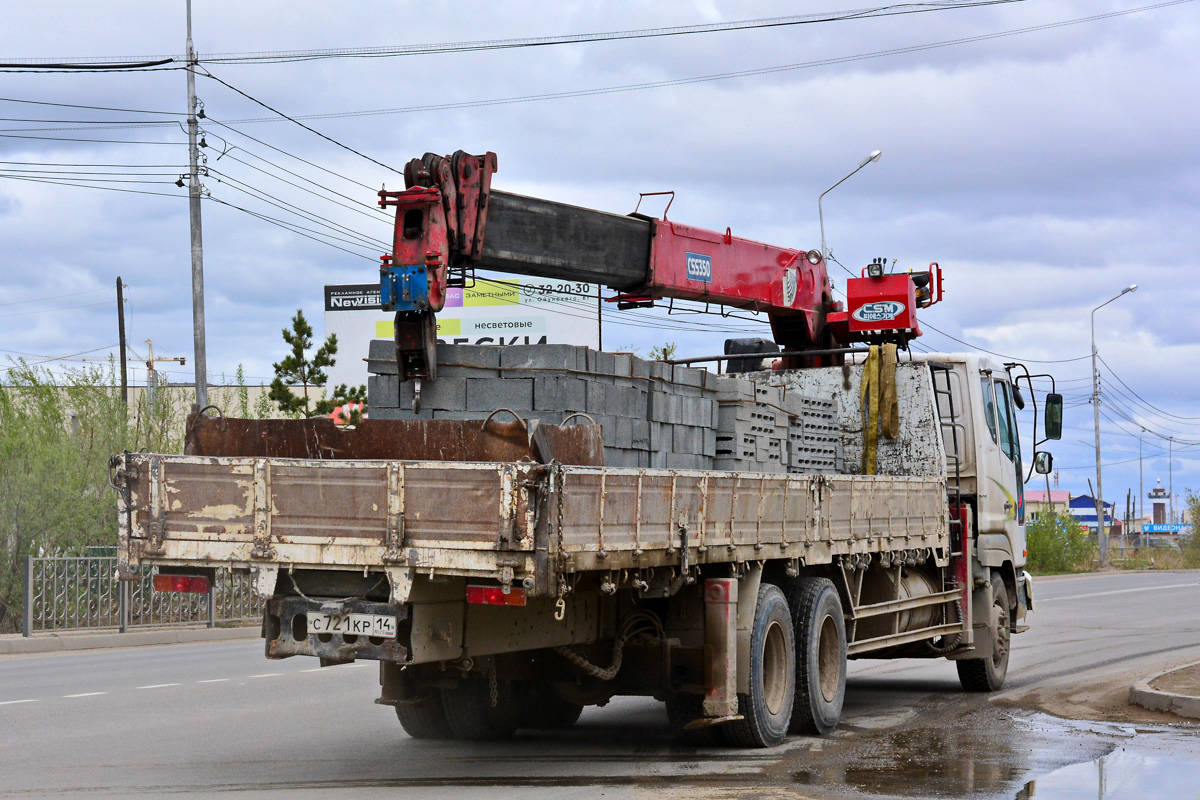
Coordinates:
column 515, row 311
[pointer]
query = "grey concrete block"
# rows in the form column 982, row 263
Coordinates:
column 622, row 365
column 543, row 356
column 689, row 376
column 664, row 407
column 560, row 394
column 660, row 437
column 641, row 368
column 641, row 433
column 602, row 363
column 447, row 394
column 470, row 355
column 710, row 443
column 596, row 397
column 735, row 390
column 488, row 394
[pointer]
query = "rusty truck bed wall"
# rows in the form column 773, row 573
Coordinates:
column 505, row 518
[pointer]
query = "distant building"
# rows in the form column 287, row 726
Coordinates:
column 1036, row 502
column 1160, row 500
column 1083, row 508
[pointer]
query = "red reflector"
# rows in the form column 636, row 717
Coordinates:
column 495, row 596
column 195, row 584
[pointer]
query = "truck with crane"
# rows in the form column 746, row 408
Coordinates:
column 721, row 542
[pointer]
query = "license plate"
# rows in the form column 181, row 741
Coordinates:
column 353, row 624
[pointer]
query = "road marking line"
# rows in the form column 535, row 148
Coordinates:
column 1116, row 591
column 214, row 680
column 15, row 702
column 85, row 694
column 158, row 686
column 315, row 669
column 268, row 675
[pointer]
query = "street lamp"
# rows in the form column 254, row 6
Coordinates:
column 1101, row 533
column 874, row 156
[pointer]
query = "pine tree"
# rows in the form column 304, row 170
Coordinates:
column 299, row 368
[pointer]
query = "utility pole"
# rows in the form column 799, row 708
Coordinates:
column 1171, row 478
column 200, row 361
column 121, row 340
column 1101, row 534
column 1141, row 487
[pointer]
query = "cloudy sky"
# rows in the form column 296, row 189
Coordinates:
column 1045, row 166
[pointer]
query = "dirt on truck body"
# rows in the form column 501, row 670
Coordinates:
column 504, row 577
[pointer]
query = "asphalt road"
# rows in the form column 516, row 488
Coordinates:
column 220, row 720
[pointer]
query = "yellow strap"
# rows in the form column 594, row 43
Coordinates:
column 888, row 406
column 869, row 396
column 881, row 411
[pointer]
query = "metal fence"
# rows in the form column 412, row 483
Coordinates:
column 72, row 593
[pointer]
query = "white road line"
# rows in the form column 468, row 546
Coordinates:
column 1116, row 591
column 214, row 680
column 158, row 686
column 15, row 702
column 85, row 694
column 315, row 669
column 268, row 675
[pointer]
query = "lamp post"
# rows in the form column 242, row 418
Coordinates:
column 1101, row 533
column 874, row 156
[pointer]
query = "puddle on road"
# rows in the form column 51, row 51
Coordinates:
column 992, row 753
column 1120, row 775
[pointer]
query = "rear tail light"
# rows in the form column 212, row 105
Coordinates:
column 495, row 596
column 195, row 584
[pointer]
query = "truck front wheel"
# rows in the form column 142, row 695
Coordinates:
column 767, row 709
column 987, row 674
column 820, row 655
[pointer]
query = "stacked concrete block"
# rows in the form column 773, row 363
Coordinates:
column 652, row 414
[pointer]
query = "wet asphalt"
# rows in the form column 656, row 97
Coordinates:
column 218, row 720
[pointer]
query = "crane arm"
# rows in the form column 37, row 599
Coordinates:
column 449, row 218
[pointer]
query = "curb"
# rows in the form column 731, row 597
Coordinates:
column 60, row 643
column 1141, row 694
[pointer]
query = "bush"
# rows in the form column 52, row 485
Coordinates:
column 1056, row 543
column 1190, row 545
column 56, row 435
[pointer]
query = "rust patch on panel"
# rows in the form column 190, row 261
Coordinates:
column 407, row 440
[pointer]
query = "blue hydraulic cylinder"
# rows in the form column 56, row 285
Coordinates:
column 404, row 288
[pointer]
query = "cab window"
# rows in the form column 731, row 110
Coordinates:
column 989, row 406
column 1008, row 428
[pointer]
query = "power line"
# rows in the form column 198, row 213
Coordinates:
column 279, row 56
column 85, row 185
column 93, row 108
column 135, row 62
column 297, row 229
column 1002, row 355
column 52, row 297
column 52, row 310
column 831, row 61
column 301, row 124
column 1139, row 397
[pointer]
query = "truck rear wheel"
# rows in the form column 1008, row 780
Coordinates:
column 424, row 717
column 471, row 715
column 987, row 674
column 683, row 708
column 547, row 710
column 767, row 709
column 820, row 655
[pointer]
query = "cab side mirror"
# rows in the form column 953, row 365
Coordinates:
column 1043, row 462
column 1054, row 412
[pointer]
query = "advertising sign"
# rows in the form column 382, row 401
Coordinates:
column 515, row 311
column 1167, row 528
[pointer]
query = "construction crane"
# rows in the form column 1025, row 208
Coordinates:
column 450, row 221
